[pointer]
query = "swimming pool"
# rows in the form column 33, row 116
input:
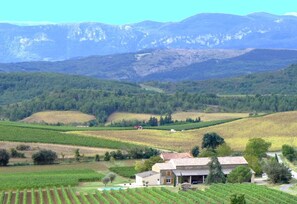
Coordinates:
column 111, row 188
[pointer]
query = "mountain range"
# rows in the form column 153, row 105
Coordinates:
column 165, row 64
column 204, row 31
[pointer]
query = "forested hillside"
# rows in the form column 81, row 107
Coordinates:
column 39, row 92
column 16, row 87
column 278, row 82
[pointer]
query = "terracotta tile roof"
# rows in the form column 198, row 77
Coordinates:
column 173, row 163
column 167, row 155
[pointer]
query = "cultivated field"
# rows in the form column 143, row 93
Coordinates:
column 278, row 128
column 119, row 116
column 219, row 193
column 18, row 132
column 64, row 117
column 66, row 150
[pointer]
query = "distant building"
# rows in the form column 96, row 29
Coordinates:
column 166, row 156
column 190, row 170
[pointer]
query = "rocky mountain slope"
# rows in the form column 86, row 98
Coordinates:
column 203, row 31
column 165, row 64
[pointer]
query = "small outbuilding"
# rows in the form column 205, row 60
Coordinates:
column 150, row 178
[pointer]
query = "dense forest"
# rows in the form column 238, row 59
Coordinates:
column 38, row 92
column 277, row 82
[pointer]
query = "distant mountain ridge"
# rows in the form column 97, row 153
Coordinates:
column 165, row 64
column 203, row 31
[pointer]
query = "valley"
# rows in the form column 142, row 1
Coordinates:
column 198, row 110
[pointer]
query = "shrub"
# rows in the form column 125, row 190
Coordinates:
column 111, row 176
column 289, row 152
column 4, row 157
column 239, row 175
column 105, row 180
column 44, row 157
column 23, row 147
column 223, row 150
column 141, row 166
column 207, row 153
column 195, row 151
column 254, row 164
column 97, row 157
column 107, row 156
column 15, row 154
column 276, row 172
column 237, row 199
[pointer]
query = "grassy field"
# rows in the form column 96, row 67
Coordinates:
column 66, row 150
column 278, row 128
column 15, row 133
column 119, row 116
column 64, row 117
column 218, row 193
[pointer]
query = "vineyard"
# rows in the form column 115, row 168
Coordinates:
column 29, row 133
column 47, row 178
column 219, row 193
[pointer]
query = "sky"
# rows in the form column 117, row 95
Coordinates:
column 132, row 11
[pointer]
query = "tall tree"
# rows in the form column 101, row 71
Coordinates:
column 216, row 174
column 212, row 140
column 257, row 147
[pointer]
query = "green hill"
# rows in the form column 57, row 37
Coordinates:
column 278, row 82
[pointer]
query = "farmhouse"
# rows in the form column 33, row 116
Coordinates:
column 191, row 170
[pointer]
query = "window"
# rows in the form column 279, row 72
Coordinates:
column 168, row 180
column 168, row 173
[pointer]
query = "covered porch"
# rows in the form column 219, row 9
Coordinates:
column 190, row 176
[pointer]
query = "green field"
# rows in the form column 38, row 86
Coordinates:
column 125, row 171
column 19, row 132
column 38, row 179
column 219, row 193
column 190, row 126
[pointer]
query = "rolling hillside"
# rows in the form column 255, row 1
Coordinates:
column 278, row 82
column 62, row 117
column 181, row 116
column 278, row 128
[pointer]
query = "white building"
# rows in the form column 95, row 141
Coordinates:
column 191, row 170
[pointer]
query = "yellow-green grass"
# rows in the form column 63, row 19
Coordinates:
column 207, row 116
column 278, row 128
column 64, row 117
column 119, row 116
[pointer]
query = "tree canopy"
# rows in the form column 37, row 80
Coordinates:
column 212, row 140
column 239, row 175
